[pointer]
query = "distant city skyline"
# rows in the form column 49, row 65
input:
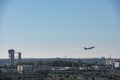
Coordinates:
column 59, row 28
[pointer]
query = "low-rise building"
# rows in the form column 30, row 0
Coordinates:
column 109, row 61
column 117, row 64
column 64, row 68
column 42, row 68
column 58, row 68
column 96, row 67
column 25, row 68
column 5, row 70
column 84, row 68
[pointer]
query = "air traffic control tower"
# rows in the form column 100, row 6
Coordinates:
column 19, row 57
column 11, row 53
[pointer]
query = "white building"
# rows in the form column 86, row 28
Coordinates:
column 109, row 61
column 25, row 68
column 117, row 64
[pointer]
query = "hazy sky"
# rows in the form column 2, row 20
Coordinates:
column 59, row 28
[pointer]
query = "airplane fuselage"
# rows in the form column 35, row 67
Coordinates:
column 89, row 48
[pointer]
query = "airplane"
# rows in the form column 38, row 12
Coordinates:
column 89, row 48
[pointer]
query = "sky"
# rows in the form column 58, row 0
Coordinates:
column 59, row 28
